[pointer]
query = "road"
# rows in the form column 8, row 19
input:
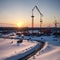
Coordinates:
column 41, row 44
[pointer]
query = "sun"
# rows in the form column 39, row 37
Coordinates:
column 19, row 24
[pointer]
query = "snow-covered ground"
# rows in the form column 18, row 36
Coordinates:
column 9, row 47
column 51, row 50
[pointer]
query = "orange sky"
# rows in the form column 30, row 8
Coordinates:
column 17, row 13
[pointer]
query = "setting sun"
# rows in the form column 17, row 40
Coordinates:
column 20, row 24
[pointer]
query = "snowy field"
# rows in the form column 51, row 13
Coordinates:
column 7, row 48
column 51, row 50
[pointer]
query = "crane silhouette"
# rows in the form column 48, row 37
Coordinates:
column 56, row 23
column 41, row 15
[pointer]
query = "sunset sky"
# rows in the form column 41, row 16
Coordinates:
column 15, row 13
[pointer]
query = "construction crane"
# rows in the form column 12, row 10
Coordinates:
column 41, row 15
column 56, row 23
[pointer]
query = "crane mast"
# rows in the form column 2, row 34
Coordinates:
column 41, row 15
column 56, row 23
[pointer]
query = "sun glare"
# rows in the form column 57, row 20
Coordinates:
column 19, row 24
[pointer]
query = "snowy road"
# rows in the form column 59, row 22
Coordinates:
column 8, row 49
column 51, row 50
column 28, row 53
